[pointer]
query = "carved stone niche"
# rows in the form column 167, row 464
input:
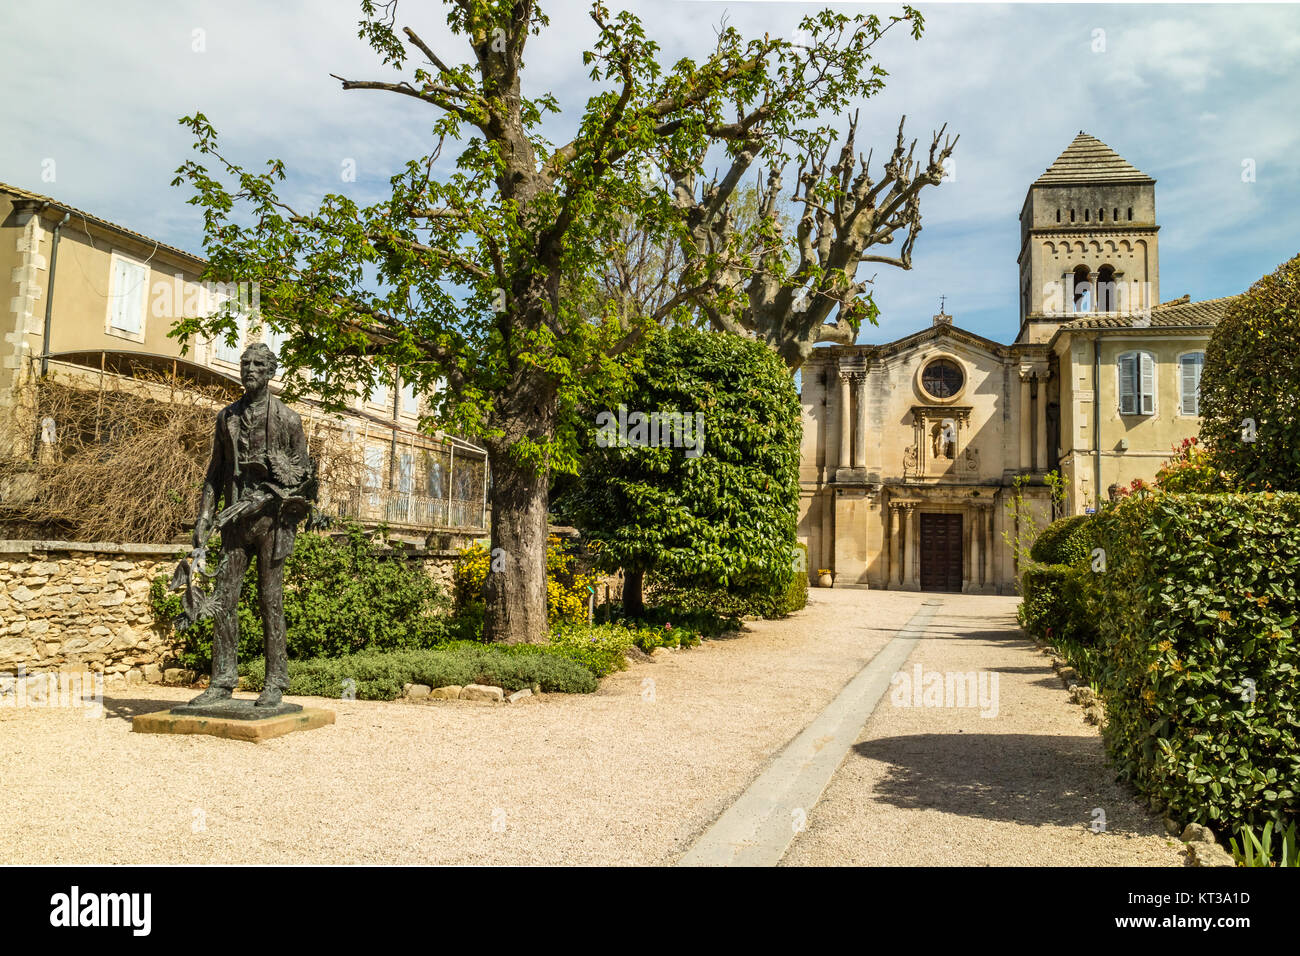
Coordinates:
column 938, row 445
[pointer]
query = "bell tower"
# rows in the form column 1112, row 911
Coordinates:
column 1087, row 240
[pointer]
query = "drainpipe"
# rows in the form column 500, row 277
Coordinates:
column 49, row 295
column 1096, row 419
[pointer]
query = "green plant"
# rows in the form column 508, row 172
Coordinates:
column 381, row 675
column 1192, row 469
column 1053, row 609
column 567, row 589
column 1258, row 850
column 1065, row 541
column 1250, row 419
column 601, row 648
column 1196, row 614
column 1025, row 512
column 342, row 594
column 716, row 505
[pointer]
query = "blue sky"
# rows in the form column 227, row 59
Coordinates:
column 1187, row 93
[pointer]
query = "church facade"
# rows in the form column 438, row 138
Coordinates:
column 914, row 449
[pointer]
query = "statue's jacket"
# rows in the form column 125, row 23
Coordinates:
column 285, row 449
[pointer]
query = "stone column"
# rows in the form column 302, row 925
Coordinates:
column 845, row 419
column 976, row 538
column 826, row 558
column 912, row 556
column 890, row 550
column 967, row 552
column 1025, row 422
column 1041, row 425
column 860, row 429
column 989, row 542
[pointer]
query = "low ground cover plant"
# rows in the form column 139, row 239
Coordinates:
column 381, row 675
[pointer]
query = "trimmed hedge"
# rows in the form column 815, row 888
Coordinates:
column 1196, row 613
column 379, row 675
column 1053, row 608
column 1065, row 541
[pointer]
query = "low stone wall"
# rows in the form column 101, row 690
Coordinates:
column 67, row 604
column 85, row 606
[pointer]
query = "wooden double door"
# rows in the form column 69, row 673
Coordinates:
column 941, row 552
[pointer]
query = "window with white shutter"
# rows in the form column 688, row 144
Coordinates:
column 1148, row 384
column 1137, row 383
column 127, row 294
column 1128, row 384
column 1189, row 382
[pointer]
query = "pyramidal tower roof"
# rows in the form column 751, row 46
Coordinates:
column 1089, row 160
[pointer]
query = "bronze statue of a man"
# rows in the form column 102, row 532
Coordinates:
column 261, row 471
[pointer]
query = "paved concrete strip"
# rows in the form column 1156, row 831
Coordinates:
column 759, row 827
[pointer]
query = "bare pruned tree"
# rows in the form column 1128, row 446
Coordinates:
column 794, row 291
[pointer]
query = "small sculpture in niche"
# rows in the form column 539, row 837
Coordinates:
column 944, row 439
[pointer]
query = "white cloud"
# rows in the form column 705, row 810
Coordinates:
column 1183, row 92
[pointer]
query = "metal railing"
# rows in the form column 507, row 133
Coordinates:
column 399, row 509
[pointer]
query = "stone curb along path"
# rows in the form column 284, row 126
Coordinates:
column 759, row 827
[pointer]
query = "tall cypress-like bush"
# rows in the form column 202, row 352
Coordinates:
column 1250, row 386
column 714, row 504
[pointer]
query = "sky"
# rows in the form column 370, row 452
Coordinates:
column 1196, row 96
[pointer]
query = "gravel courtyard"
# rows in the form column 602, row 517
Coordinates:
column 632, row 774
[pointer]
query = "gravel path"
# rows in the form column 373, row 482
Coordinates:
column 632, row 774
column 945, row 786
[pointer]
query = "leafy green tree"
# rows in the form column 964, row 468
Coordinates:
column 474, row 280
column 1250, row 386
column 720, row 508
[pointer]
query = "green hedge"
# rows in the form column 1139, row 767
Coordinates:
column 1065, row 541
column 1196, row 612
column 1053, row 608
column 380, row 675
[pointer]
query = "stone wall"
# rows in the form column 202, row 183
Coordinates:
column 83, row 605
column 73, row 605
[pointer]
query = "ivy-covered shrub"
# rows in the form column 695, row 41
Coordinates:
column 1065, row 541
column 1196, row 612
column 670, row 596
column 381, row 675
column 566, row 586
column 1250, row 415
column 710, row 499
column 342, row 594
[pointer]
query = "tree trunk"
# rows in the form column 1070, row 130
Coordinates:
column 633, row 592
column 515, row 591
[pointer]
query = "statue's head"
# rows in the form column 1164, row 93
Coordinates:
column 257, row 366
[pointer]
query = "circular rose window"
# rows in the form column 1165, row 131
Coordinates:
column 943, row 378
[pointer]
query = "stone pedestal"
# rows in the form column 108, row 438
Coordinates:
column 233, row 727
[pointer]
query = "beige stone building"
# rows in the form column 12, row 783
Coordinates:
column 89, row 299
column 912, row 450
